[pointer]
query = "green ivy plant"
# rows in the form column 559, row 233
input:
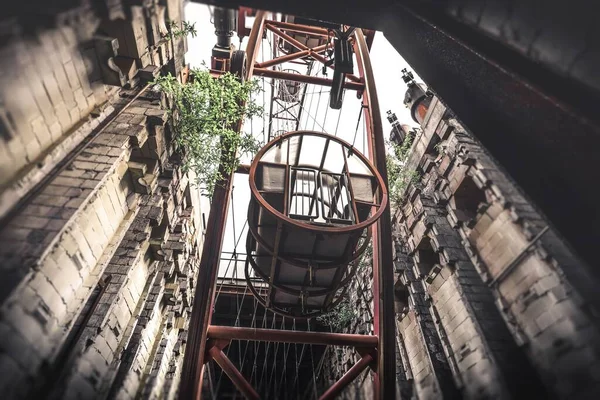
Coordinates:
column 399, row 175
column 186, row 29
column 340, row 316
column 204, row 114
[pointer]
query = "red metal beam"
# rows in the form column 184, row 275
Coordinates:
column 193, row 363
column 232, row 372
column 302, row 46
column 297, row 44
column 383, row 273
column 315, row 80
column 275, row 335
column 313, row 30
column 348, row 377
column 282, row 59
column 291, row 57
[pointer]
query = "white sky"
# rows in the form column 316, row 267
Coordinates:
column 387, row 64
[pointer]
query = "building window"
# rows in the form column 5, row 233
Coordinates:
column 467, row 200
column 425, row 258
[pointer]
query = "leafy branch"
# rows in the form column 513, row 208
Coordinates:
column 204, row 115
column 399, row 175
column 187, row 29
column 340, row 316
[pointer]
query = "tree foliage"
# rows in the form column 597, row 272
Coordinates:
column 340, row 317
column 399, row 175
column 205, row 113
column 186, row 29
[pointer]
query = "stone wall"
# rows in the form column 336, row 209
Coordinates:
column 492, row 302
column 60, row 73
column 102, row 263
column 100, row 234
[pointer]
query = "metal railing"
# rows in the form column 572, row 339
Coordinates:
column 319, row 196
column 303, row 198
column 336, row 201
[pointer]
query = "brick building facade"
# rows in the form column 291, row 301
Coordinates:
column 100, row 228
column 491, row 302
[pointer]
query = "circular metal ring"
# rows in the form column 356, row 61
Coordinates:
column 315, row 228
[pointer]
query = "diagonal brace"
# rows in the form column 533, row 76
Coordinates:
column 348, row 377
column 301, row 46
column 233, row 373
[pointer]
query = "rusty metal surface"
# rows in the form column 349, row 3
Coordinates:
column 233, row 373
column 274, row 27
column 383, row 196
column 383, row 269
column 283, row 336
column 315, row 80
column 289, row 57
column 300, row 28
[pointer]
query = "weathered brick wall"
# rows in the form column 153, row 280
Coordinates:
column 427, row 371
column 510, row 305
column 119, row 215
column 50, row 82
column 545, row 292
column 99, row 259
column 477, row 345
column 59, row 74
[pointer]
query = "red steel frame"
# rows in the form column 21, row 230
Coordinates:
column 383, row 267
column 207, row 341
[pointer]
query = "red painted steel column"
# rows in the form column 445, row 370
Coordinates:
column 383, row 267
column 348, row 377
column 193, row 363
column 232, row 372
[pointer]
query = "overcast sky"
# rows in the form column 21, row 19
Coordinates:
column 387, row 64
